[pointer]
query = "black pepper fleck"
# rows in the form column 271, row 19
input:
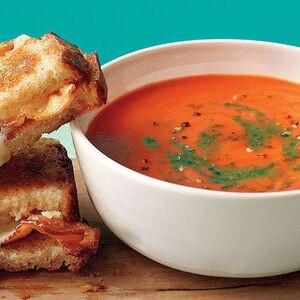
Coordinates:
column 196, row 113
column 196, row 106
column 185, row 124
column 285, row 133
column 144, row 168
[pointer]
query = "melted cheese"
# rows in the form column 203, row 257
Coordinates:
column 76, row 237
column 56, row 104
column 20, row 40
column 52, row 214
column 6, row 230
column 4, row 150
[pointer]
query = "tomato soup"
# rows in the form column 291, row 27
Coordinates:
column 221, row 132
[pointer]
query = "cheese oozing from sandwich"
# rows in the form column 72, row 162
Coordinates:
column 5, row 152
column 76, row 237
column 6, row 230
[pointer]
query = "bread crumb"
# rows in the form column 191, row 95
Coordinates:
column 86, row 288
column 92, row 287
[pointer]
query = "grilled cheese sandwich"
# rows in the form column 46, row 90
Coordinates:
column 44, row 83
column 38, row 206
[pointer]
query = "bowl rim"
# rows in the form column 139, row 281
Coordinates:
column 174, row 187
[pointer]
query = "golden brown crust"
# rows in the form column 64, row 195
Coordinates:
column 22, row 63
column 41, row 81
column 97, row 75
column 5, row 47
column 38, row 251
column 16, row 68
column 70, row 55
column 44, row 164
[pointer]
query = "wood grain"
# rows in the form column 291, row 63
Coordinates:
column 127, row 274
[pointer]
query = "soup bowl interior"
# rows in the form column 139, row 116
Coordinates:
column 195, row 230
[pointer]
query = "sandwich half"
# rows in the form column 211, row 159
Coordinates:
column 44, row 83
column 39, row 217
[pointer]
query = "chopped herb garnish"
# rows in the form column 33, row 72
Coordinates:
column 291, row 147
column 206, row 139
column 259, row 114
column 234, row 175
column 226, row 187
column 257, row 131
column 219, row 175
column 151, row 143
column 254, row 134
column 257, row 134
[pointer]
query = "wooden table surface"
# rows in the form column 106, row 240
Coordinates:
column 119, row 272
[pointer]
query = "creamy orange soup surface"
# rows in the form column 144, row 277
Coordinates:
column 235, row 133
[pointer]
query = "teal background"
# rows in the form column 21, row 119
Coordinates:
column 114, row 28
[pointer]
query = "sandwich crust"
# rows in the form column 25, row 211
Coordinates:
column 44, row 83
column 42, row 171
column 38, row 251
column 39, row 216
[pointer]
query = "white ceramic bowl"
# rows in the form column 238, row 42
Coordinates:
column 195, row 230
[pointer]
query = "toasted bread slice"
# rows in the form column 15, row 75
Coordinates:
column 44, row 84
column 38, row 251
column 40, row 226
column 38, row 179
